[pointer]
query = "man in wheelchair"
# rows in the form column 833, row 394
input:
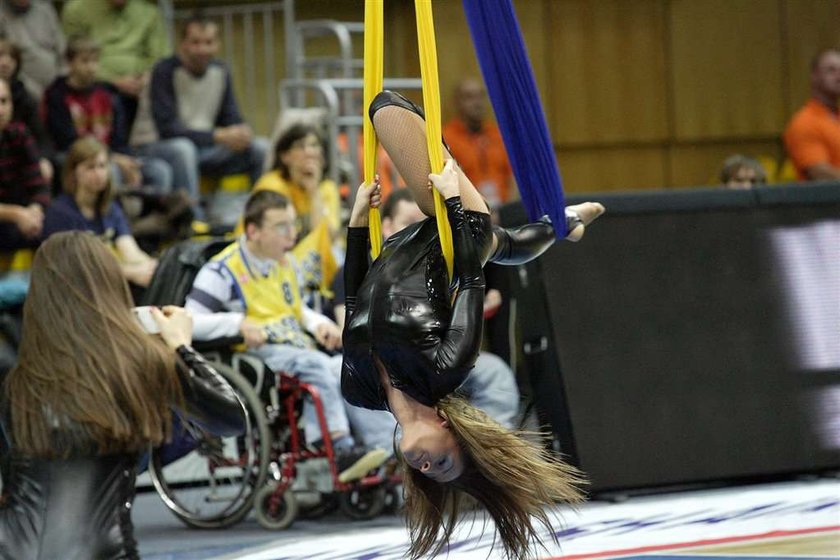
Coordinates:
column 250, row 289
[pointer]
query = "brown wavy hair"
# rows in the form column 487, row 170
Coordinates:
column 82, row 150
column 513, row 478
column 88, row 379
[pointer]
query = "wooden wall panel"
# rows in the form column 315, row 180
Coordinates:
column 612, row 169
column 456, row 54
column 607, row 71
column 810, row 25
column 700, row 164
column 726, row 68
column 638, row 93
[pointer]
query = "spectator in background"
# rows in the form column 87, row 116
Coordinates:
column 742, row 172
column 192, row 97
column 251, row 289
column 78, row 105
column 300, row 165
column 34, row 27
column 476, row 143
column 132, row 37
column 87, row 205
column 812, row 137
column 24, row 193
column 26, row 109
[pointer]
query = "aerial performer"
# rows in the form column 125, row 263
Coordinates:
column 414, row 314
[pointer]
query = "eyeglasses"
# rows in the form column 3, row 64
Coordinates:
column 283, row 228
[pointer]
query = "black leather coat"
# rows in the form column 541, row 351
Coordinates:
column 80, row 508
column 400, row 310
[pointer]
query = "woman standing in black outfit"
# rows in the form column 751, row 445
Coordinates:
column 412, row 336
column 91, row 390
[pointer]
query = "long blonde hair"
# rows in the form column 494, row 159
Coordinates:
column 88, row 379
column 512, row 478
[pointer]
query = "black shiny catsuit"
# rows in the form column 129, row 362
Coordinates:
column 80, row 508
column 400, row 309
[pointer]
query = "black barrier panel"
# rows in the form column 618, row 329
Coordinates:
column 696, row 341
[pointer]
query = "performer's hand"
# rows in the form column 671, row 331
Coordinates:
column 447, row 182
column 368, row 196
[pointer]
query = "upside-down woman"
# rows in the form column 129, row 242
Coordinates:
column 412, row 336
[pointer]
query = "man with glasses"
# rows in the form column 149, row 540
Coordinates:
column 250, row 289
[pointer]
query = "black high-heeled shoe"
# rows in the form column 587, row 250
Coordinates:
column 386, row 98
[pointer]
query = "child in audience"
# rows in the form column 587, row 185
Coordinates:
column 87, row 204
column 78, row 105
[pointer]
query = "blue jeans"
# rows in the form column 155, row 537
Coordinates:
column 182, row 157
column 491, row 386
column 316, row 369
column 219, row 160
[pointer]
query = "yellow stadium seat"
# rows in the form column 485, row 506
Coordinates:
column 787, row 173
column 237, row 183
column 17, row 261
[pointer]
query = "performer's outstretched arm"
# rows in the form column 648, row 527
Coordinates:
column 460, row 343
column 358, row 236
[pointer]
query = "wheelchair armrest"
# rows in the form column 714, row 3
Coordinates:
column 217, row 344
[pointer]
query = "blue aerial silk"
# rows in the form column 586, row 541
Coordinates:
column 513, row 92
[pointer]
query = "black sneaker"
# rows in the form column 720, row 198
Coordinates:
column 354, row 463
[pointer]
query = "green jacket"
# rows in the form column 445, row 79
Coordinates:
column 131, row 39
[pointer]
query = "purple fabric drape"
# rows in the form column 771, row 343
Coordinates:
column 513, row 92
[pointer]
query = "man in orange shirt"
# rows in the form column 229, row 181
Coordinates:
column 812, row 137
column 477, row 145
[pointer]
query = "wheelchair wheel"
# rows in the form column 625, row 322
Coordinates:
column 214, row 485
column 279, row 517
column 362, row 502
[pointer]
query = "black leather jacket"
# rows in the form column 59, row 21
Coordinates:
column 400, row 310
column 80, row 508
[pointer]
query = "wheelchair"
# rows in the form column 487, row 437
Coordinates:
column 269, row 468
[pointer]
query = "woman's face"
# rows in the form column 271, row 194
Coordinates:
column 92, row 173
column 431, row 448
column 8, row 65
column 305, row 160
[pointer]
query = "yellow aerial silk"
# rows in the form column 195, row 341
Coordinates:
column 431, row 102
column 372, row 86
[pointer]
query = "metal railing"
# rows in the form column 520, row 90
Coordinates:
column 256, row 75
column 340, row 115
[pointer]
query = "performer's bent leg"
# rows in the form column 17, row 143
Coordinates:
column 514, row 246
column 401, row 130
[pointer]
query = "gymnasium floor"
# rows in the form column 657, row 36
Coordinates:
column 796, row 520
